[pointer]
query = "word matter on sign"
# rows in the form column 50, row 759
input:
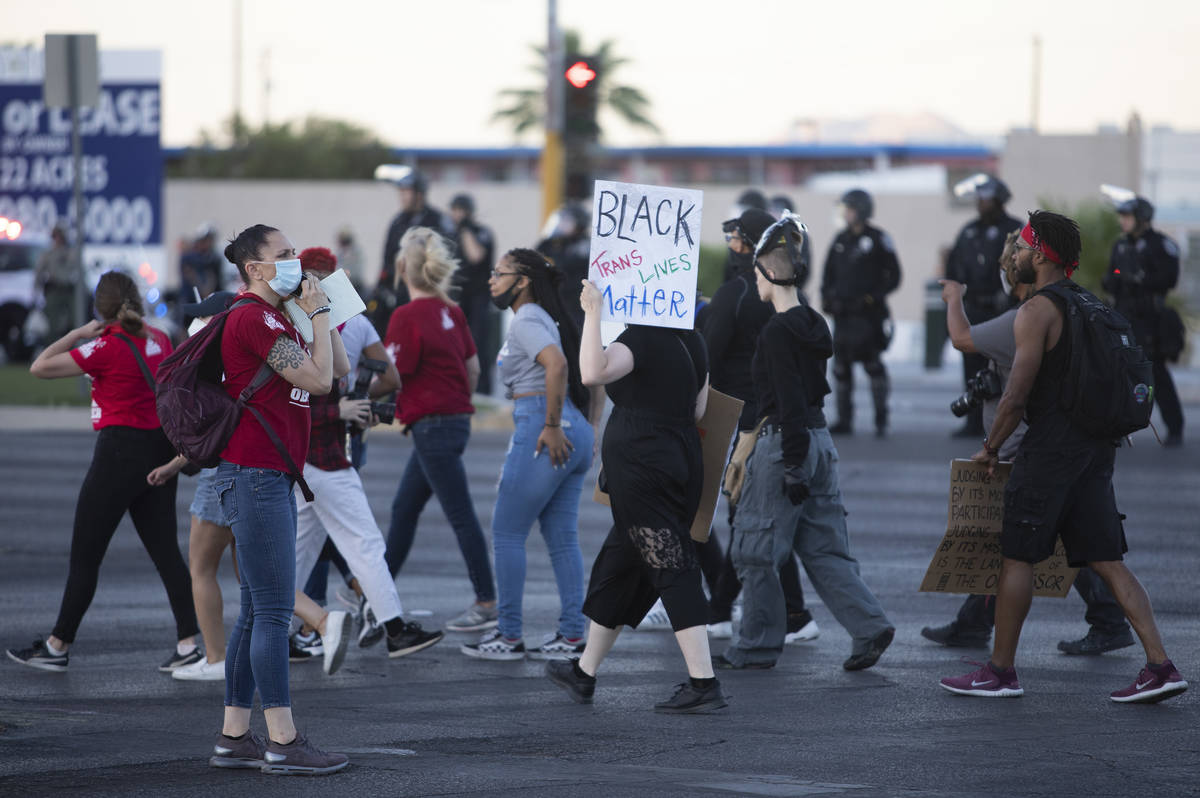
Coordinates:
column 646, row 252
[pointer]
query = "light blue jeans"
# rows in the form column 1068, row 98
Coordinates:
column 532, row 489
column 259, row 506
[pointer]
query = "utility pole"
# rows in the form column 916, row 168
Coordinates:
column 1036, row 95
column 552, row 150
column 237, row 69
column 266, row 85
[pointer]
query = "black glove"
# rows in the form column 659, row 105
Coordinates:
column 794, row 485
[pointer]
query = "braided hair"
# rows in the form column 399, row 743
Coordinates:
column 544, row 279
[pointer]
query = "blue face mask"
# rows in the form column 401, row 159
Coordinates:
column 287, row 277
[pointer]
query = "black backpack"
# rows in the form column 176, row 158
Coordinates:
column 197, row 414
column 1108, row 390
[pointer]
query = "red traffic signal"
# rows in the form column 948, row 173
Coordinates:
column 580, row 74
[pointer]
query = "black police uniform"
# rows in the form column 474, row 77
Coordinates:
column 471, row 280
column 974, row 261
column 386, row 297
column 861, row 269
column 1142, row 269
column 569, row 254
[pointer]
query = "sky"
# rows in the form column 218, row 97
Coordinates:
column 427, row 73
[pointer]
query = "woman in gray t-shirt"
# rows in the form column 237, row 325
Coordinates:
column 548, row 457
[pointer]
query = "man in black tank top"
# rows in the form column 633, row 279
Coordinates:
column 1061, row 483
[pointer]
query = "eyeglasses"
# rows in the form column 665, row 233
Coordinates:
column 497, row 274
column 729, row 237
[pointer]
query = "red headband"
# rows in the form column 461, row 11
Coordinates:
column 1032, row 239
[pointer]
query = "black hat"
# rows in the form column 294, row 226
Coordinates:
column 211, row 306
column 860, row 202
column 464, row 202
column 751, row 224
column 752, row 198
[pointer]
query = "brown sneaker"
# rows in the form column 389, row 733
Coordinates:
column 301, row 758
column 244, row 753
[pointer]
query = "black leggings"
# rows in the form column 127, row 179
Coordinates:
column 115, row 483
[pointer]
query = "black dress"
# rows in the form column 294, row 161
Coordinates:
column 654, row 473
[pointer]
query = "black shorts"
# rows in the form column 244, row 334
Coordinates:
column 1065, row 493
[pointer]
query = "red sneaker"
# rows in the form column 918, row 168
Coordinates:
column 1155, row 683
column 986, row 683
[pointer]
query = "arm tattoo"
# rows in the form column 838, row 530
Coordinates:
column 285, row 354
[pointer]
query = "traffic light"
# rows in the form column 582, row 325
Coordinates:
column 581, row 132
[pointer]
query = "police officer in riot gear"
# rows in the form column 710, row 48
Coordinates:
column 568, row 246
column 476, row 247
column 860, row 271
column 390, row 293
column 974, row 261
column 1143, row 267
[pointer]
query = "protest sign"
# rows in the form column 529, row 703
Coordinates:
column 968, row 558
column 717, row 427
column 645, row 255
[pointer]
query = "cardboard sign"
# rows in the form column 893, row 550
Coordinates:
column 645, row 255
column 717, row 427
column 968, row 558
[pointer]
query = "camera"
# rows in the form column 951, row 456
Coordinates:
column 367, row 369
column 384, row 411
column 983, row 386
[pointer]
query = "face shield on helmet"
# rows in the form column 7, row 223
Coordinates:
column 791, row 234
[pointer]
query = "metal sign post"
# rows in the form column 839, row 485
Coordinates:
column 72, row 80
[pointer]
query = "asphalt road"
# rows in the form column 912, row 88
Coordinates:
column 438, row 723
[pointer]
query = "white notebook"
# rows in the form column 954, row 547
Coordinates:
column 344, row 301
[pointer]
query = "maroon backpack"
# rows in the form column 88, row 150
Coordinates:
column 198, row 416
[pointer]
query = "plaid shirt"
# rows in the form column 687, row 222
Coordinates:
column 327, row 445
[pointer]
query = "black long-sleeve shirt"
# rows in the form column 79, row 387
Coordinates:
column 733, row 321
column 1141, row 271
column 789, row 376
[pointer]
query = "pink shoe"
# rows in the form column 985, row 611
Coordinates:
column 1155, row 683
column 986, row 682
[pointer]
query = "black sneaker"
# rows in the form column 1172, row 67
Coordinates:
column 865, row 659
column 411, row 640
column 38, row 656
column 562, row 672
column 246, row 753
column 305, row 649
column 177, row 660
column 689, row 699
column 371, row 631
column 301, row 758
column 1095, row 642
column 721, row 662
column 953, row 637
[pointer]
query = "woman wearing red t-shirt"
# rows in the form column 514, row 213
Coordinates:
column 254, row 485
column 430, row 343
column 130, row 443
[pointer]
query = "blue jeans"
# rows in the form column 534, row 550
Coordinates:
column 532, row 489
column 260, row 509
column 435, row 467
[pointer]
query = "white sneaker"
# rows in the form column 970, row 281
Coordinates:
column 656, row 619
column 335, row 640
column 202, row 671
column 722, row 630
column 492, row 645
column 810, row 631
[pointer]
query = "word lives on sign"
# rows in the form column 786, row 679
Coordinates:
column 645, row 256
column 968, row 558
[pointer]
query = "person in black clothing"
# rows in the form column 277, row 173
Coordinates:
column 568, row 247
column 476, row 251
column 390, row 291
column 791, row 500
column 861, row 269
column 734, row 319
column 1061, row 483
column 1143, row 267
column 974, row 261
column 657, row 379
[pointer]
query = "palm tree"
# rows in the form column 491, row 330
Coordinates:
column 525, row 109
